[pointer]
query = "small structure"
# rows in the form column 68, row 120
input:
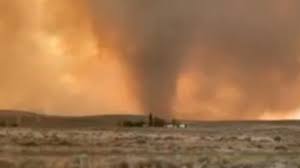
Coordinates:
column 170, row 126
column 176, row 124
column 182, row 125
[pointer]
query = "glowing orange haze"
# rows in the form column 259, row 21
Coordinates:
column 52, row 62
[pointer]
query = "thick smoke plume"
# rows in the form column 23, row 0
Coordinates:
column 198, row 59
column 242, row 56
column 154, row 39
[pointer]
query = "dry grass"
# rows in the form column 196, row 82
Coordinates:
column 215, row 146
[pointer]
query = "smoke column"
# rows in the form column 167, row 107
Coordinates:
column 154, row 37
column 208, row 59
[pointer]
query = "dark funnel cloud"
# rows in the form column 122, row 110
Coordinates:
column 250, row 47
column 154, row 39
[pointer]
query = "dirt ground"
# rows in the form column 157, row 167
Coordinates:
column 223, row 145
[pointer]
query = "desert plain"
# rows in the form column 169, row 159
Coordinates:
column 248, row 144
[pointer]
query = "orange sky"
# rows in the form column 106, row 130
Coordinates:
column 54, row 60
column 54, row 64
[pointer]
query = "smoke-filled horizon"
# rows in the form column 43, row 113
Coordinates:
column 198, row 59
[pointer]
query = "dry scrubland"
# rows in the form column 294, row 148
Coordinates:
column 215, row 145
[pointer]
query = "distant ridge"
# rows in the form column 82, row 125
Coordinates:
column 32, row 119
column 15, row 112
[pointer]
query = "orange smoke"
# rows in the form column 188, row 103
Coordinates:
column 62, row 57
column 51, row 62
column 204, row 97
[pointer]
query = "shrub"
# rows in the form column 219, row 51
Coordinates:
column 133, row 124
column 14, row 125
column 277, row 138
column 2, row 124
column 158, row 122
column 281, row 148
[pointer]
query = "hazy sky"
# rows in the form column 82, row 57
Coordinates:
column 199, row 59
